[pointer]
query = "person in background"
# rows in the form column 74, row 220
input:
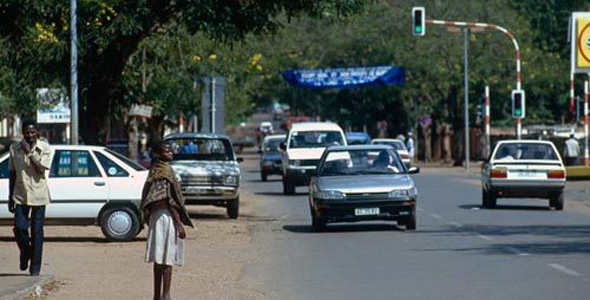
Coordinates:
column 29, row 194
column 572, row 151
column 162, row 207
column 410, row 145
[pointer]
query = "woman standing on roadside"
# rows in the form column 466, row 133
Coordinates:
column 162, row 206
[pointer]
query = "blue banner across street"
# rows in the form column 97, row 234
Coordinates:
column 346, row 77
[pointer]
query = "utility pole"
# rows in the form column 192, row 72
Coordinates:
column 74, row 72
column 466, row 86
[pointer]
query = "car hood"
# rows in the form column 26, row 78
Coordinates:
column 203, row 168
column 306, row 153
column 364, row 183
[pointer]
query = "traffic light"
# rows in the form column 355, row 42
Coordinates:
column 418, row 21
column 518, row 104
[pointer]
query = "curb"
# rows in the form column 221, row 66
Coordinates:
column 26, row 288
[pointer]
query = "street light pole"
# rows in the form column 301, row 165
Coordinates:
column 466, row 102
column 74, row 73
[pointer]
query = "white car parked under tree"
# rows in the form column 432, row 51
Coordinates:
column 88, row 185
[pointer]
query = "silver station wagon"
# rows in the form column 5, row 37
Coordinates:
column 207, row 169
column 352, row 184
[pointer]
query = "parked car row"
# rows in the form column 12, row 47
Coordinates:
column 96, row 185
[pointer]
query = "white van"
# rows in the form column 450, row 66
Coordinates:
column 303, row 149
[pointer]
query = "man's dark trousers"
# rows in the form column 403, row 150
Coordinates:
column 30, row 247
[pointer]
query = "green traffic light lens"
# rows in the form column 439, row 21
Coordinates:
column 418, row 29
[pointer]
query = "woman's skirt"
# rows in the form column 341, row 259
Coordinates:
column 163, row 245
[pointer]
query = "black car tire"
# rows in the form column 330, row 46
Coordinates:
column 288, row 188
column 233, row 208
column 484, row 198
column 557, row 201
column 411, row 222
column 263, row 176
column 489, row 199
column 318, row 224
column 119, row 214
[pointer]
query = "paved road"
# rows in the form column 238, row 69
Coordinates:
column 521, row 250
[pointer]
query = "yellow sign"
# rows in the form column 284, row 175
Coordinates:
column 582, row 43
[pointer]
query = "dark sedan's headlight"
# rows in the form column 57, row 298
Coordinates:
column 404, row 193
column 329, row 195
column 231, row 180
column 295, row 162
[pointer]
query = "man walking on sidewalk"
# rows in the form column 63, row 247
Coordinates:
column 29, row 194
column 572, row 151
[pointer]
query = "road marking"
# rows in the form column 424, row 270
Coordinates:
column 456, row 224
column 565, row 270
column 485, row 237
column 435, row 216
column 516, row 251
column 420, row 208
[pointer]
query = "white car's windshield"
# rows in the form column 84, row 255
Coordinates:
column 361, row 162
column 525, row 151
column 315, row 139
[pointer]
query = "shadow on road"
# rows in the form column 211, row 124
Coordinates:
column 74, row 239
column 280, row 194
column 505, row 207
column 334, row 228
column 557, row 246
column 268, row 180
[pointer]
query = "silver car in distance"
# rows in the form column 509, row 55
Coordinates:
column 352, row 184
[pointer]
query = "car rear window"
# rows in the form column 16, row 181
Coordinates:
column 525, row 151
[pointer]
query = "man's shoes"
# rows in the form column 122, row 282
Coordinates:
column 24, row 260
column 34, row 273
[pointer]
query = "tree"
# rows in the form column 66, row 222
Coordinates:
column 36, row 34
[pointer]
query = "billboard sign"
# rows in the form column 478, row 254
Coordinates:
column 53, row 107
column 580, row 42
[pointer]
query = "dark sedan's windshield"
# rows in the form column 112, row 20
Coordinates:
column 272, row 144
column 201, row 149
column 362, row 162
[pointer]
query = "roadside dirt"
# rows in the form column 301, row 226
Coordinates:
column 87, row 267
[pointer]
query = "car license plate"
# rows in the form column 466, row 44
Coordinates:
column 192, row 190
column 530, row 174
column 366, row 211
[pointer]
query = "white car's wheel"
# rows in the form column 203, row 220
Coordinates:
column 119, row 224
column 557, row 201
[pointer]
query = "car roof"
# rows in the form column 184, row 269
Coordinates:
column 525, row 141
column 356, row 134
column 310, row 126
column 386, row 140
column 187, row 135
column 276, row 136
column 358, row 147
column 78, row 147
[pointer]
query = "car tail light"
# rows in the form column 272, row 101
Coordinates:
column 499, row 173
column 556, row 174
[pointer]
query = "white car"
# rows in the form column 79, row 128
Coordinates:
column 398, row 145
column 524, row 169
column 88, row 185
column 303, row 149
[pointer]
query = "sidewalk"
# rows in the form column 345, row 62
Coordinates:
column 17, row 286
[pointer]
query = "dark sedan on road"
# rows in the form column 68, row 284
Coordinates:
column 270, row 160
column 352, row 185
